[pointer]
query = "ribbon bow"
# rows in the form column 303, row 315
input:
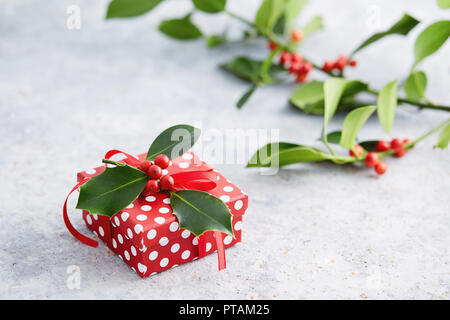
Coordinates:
column 202, row 178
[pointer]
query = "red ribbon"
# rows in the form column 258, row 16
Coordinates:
column 202, row 179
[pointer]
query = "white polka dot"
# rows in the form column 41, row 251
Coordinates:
column 138, row 228
column 117, row 220
column 119, row 237
column 95, row 216
column 150, row 198
column 175, row 248
column 183, row 165
column 195, row 241
column 146, row 208
column 120, row 257
column 95, row 232
column 185, row 234
column 114, row 243
column 129, row 233
column 124, row 216
column 228, row 188
column 153, row 255
column 163, row 241
column 208, row 246
column 127, row 255
column 164, row 262
column 238, row 226
column 142, row 268
column 89, row 219
column 159, row 220
column 218, row 177
column 185, row 254
column 131, row 205
column 166, row 200
column 227, row 240
column 151, row 234
column 101, row 231
column 91, row 171
column 133, row 250
column 225, row 198
column 164, row 210
column 165, row 172
column 238, row 204
column 187, row 156
column 173, row 226
column 141, row 217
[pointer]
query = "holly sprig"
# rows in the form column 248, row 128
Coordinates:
column 118, row 186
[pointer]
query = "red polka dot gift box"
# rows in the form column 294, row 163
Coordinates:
column 147, row 235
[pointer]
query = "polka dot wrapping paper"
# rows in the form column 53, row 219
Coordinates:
column 146, row 235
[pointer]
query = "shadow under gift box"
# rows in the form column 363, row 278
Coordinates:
column 146, row 235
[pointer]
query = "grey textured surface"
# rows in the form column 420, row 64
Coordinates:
column 312, row 231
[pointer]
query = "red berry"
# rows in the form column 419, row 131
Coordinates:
column 383, row 146
column 400, row 153
column 341, row 62
column 396, row 144
column 151, row 187
column 295, row 67
column 380, row 167
column 359, row 150
column 328, row 66
column 371, row 159
column 405, row 141
column 353, row 63
column 306, row 67
column 272, row 45
column 167, row 182
column 144, row 165
column 162, row 161
column 296, row 57
column 285, row 57
column 297, row 35
column 301, row 77
column 154, row 172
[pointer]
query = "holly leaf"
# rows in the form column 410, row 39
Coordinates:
column 199, row 211
column 401, row 27
column 332, row 89
column 174, row 141
column 444, row 4
column 415, row 85
column 430, row 40
column 333, row 137
column 243, row 100
column 263, row 155
column 112, row 190
column 130, row 8
column 268, row 13
column 444, row 138
column 386, row 105
column 249, row 69
column 315, row 24
column 215, row 40
column 181, row 29
column 353, row 122
column 210, row 6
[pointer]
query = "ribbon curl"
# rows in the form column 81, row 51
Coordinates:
column 202, row 179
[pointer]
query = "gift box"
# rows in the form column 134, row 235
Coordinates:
column 147, row 236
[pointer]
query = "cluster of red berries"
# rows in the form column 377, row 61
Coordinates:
column 296, row 65
column 154, row 170
column 338, row 64
column 372, row 159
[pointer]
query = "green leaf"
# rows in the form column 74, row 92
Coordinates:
column 198, row 212
column 174, row 141
column 215, row 40
column 444, row 4
column 293, row 8
column 210, row 6
column 130, row 8
column 444, row 138
column 401, row 27
column 310, row 98
column 112, row 190
column 249, row 70
column 243, row 100
column 333, row 89
column 353, row 122
column 386, row 104
column 415, row 85
column 263, row 155
column 333, row 137
column 268, row 13
column 315, row 24
column 431, row 39
column 369, row 145
column 181, row 29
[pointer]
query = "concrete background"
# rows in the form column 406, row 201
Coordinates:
column 311, row 232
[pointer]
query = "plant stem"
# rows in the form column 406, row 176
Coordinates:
column 119, row 164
